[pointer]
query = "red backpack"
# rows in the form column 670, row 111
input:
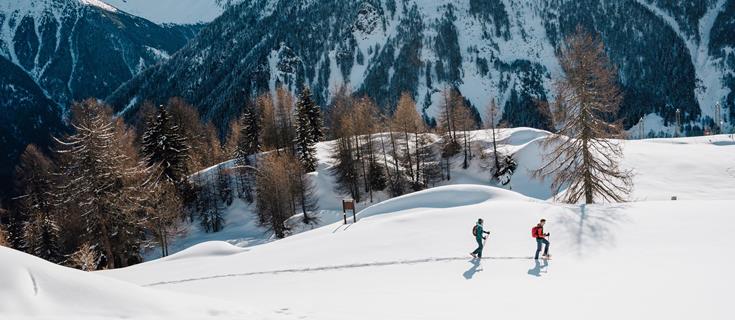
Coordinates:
column 535, row 231
column 474, row 231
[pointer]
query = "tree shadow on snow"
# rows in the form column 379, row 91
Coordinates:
column 592, row 228
column 476, row 267
column 538, row 268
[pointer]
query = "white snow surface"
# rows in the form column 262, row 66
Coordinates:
column 408, row 257
column 650, row 260
column 170, row 11
column 37, row 289
column 99, row 4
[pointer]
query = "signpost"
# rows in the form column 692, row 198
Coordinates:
column 348, row 204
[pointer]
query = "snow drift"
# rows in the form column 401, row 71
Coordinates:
column 441, row 197
column 32, row 287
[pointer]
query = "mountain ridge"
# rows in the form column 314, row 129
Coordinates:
column 503, row 49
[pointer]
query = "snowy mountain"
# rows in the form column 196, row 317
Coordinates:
column 71, row 50
column 172, row 11
column 76, row 49
column 27, row 116
column 671, row 55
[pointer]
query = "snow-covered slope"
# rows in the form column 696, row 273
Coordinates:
column 409, row 260
column 171, row 11
column 407, row 257
column 689, row 168
column 37, row 289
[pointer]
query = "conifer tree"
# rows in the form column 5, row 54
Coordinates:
column 366, row 118
column 99, row 180
column 162, row 205
column 345, row 168
column 274, row 194
column 269, row 134
column 492, row 111
column 41, row 230
column 201, row 138
column 286, row 132
column 313, row 114
column 465, row 123
column 431, row 171
column 308, row 130
column 4, row 237
column 86, row 258
column 249, row 138
column 163, row 144
column 584, row 158
column 407, row 120
column 224, row 185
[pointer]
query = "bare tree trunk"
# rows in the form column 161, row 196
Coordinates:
column 385, row 157
column 408, row 154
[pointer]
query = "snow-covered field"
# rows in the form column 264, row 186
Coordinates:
column 656, row 260
column 407, row 257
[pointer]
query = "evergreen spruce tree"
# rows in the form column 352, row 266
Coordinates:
column 163, row 144
column 249, row 139
column 308, row 130
column 313, row 113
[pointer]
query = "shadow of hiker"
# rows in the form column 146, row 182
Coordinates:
column 476, row 267
column 538, row 268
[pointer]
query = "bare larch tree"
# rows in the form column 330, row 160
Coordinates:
column 585, row 157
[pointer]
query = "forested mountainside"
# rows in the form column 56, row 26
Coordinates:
column 54, row 52
column 78, row 49
column 27, row 116
column 671, row 55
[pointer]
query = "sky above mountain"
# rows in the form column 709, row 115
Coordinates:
column 171, row 11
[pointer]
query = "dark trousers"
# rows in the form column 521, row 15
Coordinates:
column 539, row 242
column 478, row 251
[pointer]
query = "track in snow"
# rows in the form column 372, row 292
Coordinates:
column 328, row 268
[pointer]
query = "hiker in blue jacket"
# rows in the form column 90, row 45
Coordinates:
column 478, row 233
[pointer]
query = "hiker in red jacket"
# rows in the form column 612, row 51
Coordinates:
column 538, row 233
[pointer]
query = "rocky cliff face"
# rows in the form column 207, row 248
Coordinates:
column 671, row 54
